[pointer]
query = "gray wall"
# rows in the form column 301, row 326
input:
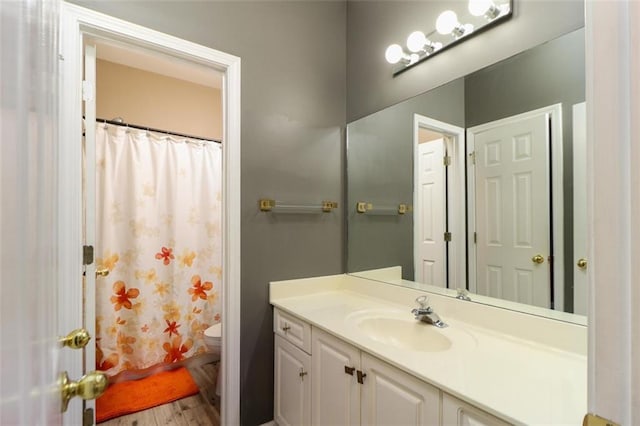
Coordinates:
column 373, row 25
column 380, row 171
column 293, row 111
column 550, row 74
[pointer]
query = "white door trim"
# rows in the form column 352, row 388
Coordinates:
column 579, row 146
column 613, row 209
column 557, row 178
column 75, row 23
column 455, row 189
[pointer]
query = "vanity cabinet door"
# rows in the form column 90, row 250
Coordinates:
column 336, row 393
column 459, row 413
column 292, row 384
column 392, row 397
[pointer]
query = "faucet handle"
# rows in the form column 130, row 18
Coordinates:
column 423, row 301
column 463, row 294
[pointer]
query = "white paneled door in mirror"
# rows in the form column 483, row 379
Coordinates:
column 430, row 214
column 513, row 209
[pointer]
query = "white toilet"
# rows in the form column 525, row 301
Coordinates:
column 213, row 340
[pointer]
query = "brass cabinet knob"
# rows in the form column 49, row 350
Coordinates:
column 538, row 258
column 582, row 263
column 77, row 339
column 102, row 272
column 90, row 386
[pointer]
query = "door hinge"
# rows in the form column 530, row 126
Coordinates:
column 446, row 160
column 472, row 157
column 87, row 417
column 447, row 236
column 475, row 237
column 593, row 420
column 88, row 91
column 87, row 255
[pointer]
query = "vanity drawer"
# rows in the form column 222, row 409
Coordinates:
column 292, row 329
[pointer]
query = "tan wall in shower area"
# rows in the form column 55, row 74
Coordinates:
column 149, row 99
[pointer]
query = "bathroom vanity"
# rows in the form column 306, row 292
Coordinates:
column 349, row 351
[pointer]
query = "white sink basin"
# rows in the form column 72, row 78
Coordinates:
column 405, row 334
column 399, row 329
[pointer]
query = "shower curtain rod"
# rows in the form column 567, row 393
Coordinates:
column 151, row 129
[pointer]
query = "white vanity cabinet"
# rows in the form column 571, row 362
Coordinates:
column 292, row 370
column 351, row 387
column 335, row 391
column 390, row 396
column 459, row 413
column 322, row 380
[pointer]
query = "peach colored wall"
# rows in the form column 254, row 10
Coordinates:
column 157, row 101
column 426, row 135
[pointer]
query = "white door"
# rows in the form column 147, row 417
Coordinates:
column 580, row 208
column 513, row 210
column 393, row 397
column 430, row 214
column 36, row 249
column 292, row 384
column 335, row 391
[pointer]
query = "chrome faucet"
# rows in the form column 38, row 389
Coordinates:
column 425, row 313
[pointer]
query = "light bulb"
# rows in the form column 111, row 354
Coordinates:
column 486, row 8
column 468, row 29
column 394, row 53
column 416, row 41
column 479, row 7
column 447, row 22
column 414, row 58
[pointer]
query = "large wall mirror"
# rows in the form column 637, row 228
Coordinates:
column 479, row 184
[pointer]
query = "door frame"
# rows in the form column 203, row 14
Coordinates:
column 557, row 179
column 75, row 22
column 613, row 235
column 579, row 147
column 454, row 145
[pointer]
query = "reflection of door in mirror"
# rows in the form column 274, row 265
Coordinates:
column 438, row 203
column 514, row 233
column 430, row 210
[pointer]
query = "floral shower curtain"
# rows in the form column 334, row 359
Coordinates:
column 158, row 203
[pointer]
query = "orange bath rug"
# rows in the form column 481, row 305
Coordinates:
column 136, row 395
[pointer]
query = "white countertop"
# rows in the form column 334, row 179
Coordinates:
column 520, row 380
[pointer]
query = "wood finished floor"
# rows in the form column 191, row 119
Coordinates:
column 202, row 409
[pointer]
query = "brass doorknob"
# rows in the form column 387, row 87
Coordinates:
column 77, row 339
column 538, row 258
column 102, row 272
column 90, row 386
column 582, row 263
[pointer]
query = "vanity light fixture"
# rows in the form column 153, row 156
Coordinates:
column 479, row 15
